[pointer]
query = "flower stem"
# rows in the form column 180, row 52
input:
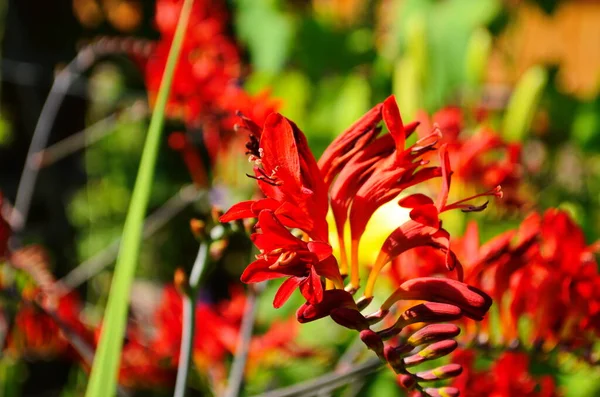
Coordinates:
column 189, row 320
column 236, row 375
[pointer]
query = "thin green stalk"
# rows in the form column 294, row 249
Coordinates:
column 103, row 378
column 189, row 320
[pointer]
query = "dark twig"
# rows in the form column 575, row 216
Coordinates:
column 60, row 87
column 236, row 374
column 327, row 382
column 152, row 224
column 189, row 319
column 75, row 142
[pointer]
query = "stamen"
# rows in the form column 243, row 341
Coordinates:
column 496, row 192
column 265, row 179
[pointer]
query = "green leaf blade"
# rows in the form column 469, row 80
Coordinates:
column 104, row 375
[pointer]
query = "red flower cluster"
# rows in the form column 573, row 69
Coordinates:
column 543, row 272
column 205, row 93
column 358, row 172
column 548, row 274
column 509, row 376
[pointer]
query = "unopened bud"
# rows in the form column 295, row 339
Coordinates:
column 407, row 381
column 443, row 372
column 216, row 213
column 430, row 313
column 442, row 392
column 198, row 228
column 433, row 333
column 372, row 341
column 180, row 280
column 431, row 352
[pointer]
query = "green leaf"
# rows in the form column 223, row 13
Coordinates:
column 103, row 378
column 523, row 104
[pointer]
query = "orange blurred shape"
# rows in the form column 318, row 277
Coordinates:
column 569, row 38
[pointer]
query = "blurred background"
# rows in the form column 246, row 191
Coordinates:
column 529, row 70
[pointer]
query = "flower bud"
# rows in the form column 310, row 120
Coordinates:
column 442, row 392
column 198, row 228
column 473, row 302
column 433, row 333
column 180, row 280
column 430, row 313
column 373, row 342
column 407, row 381
column 443, row 372
column 431, row 352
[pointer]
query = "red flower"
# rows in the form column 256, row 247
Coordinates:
column 288, row 175
column 283, row 255
column 425, row 227
column 364, row 172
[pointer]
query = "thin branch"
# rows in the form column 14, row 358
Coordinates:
column 75, row 142
column 152, row 224
column 327, row 382
column 44, row 125
column 62, row 85
column 236, row 374
column 189, row 319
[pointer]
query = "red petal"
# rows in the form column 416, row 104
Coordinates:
column 415, row 200
column 349, row 143
column 311, row 288
column 280, row 149
column 320, row 249
column 238, row 211
column 274, row 235
column 285, row 291
column 259, row 271
column 426, row 214
column 329, row 268
column 393, row 121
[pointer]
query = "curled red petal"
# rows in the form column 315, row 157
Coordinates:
column 285, row 291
